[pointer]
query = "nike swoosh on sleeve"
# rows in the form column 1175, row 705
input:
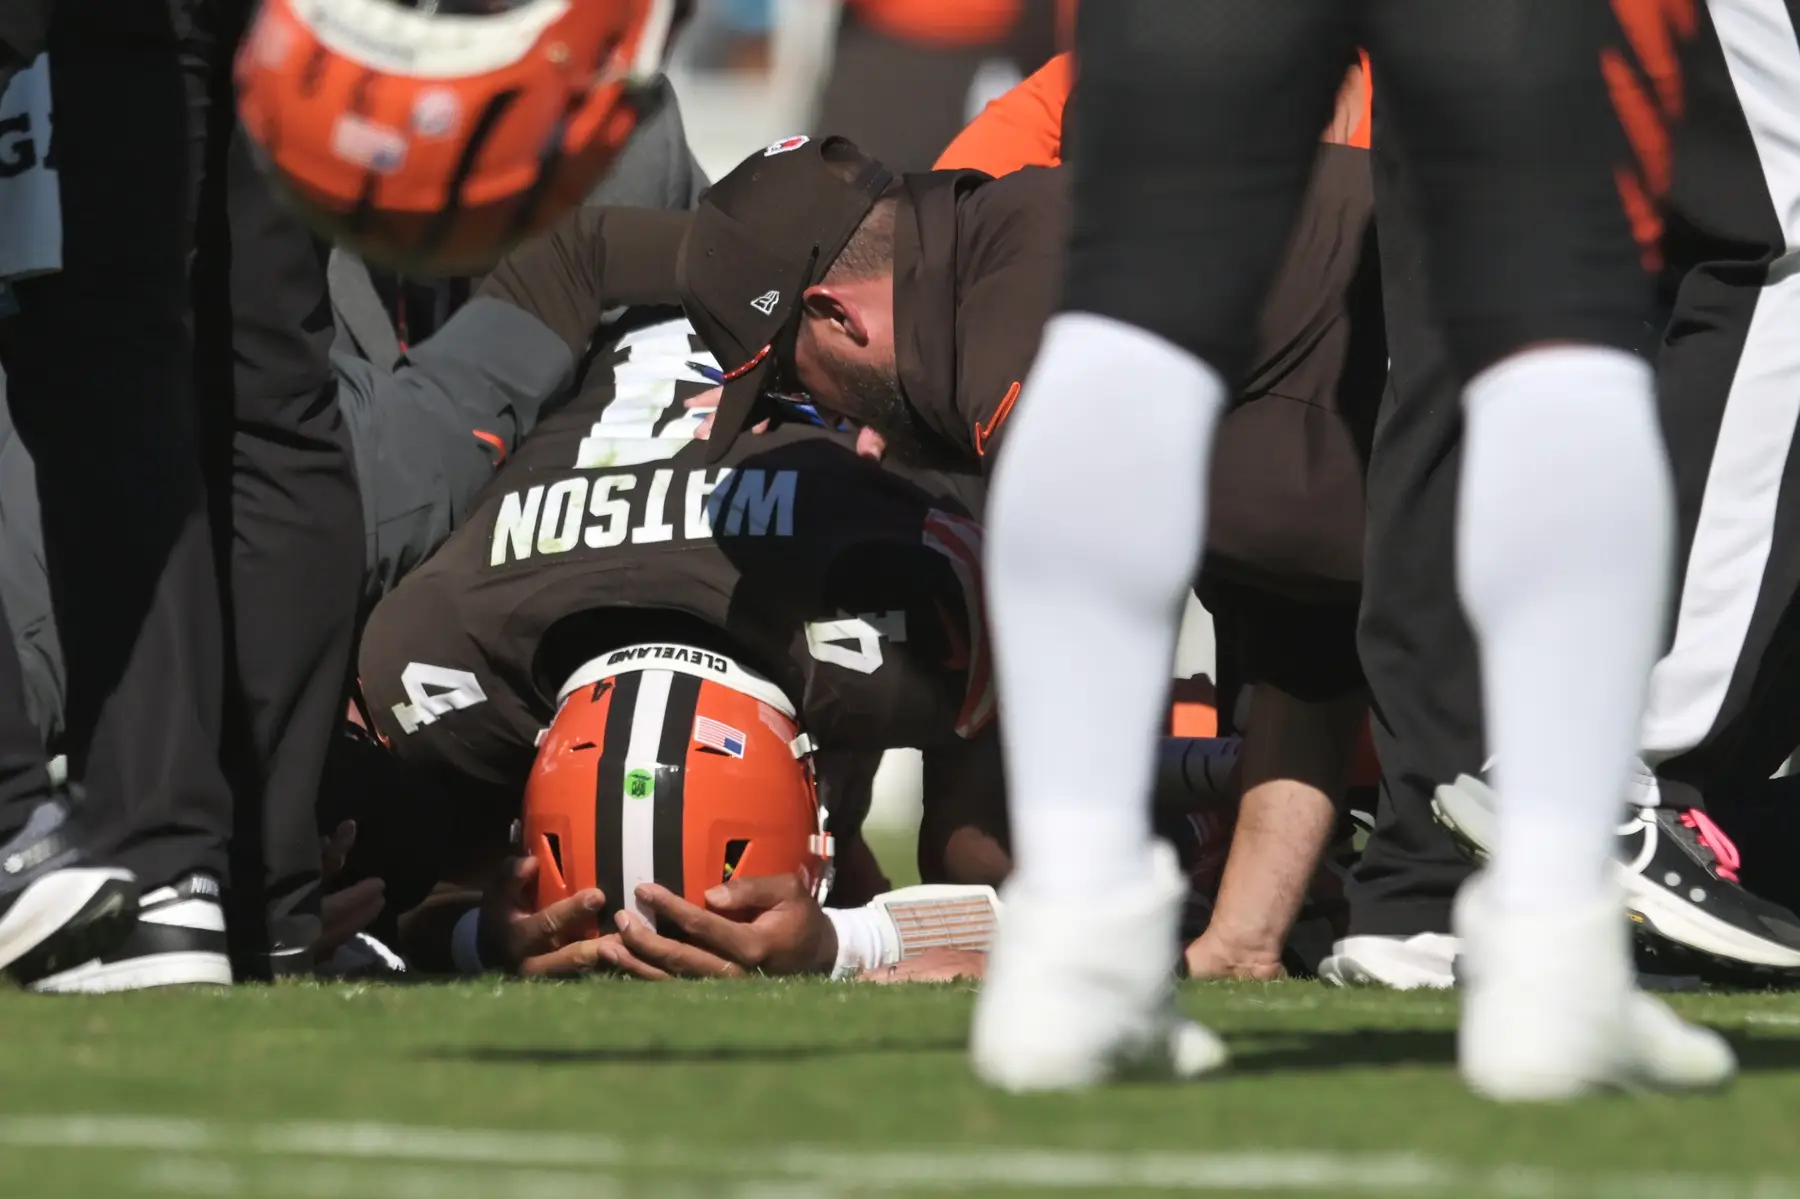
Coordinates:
column 984, row 431
column 495, row 440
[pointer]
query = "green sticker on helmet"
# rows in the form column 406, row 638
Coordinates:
column 639, row 784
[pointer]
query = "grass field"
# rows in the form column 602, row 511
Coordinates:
column 813, row 1089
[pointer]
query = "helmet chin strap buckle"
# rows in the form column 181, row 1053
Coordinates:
column 823, row 846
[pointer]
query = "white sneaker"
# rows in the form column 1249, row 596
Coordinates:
column 1424, row 961
column 1080, row 993
column 1550, row 1010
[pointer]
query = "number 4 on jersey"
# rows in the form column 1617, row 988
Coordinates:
column 855, row 642
column 434, row 691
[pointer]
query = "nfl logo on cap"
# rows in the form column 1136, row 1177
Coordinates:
column 786, row 144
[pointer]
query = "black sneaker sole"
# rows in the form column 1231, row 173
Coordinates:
column 101, row 923
column 1659, row 952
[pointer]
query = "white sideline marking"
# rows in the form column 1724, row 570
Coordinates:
column 1783, row 1018
column 333, row 1180
column 571, row 1165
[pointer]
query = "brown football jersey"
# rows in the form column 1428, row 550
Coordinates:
column 853, row 587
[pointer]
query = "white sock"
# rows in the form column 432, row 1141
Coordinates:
column 1095, row 526
column 1564, row 542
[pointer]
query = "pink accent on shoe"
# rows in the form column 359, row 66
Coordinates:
column 1714, row 838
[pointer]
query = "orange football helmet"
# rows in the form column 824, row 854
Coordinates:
column 674, row 765
column 434, row 140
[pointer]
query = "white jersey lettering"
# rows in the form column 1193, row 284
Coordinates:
column 605, row 511
column 515, row 524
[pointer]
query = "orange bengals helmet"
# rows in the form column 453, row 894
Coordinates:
column 673, row 765
column 434, row 140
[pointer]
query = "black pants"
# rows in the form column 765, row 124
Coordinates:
column 101, row 389
column 103, row 384
column 285, row 504
column 1418, row 652
column 1198, row 125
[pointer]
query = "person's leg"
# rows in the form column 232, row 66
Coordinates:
column 56, row 908
column 1727, row 369
column 1416, row 647
column 296, row 564
column 101, row 392
column 1420, row 660
column 24, row 768
column 1198, row 124
column 1729, row 373
column 1564, row 525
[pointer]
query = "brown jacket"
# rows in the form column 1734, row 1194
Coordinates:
column 978, row 270
column 1286, row 507
column 978, row 266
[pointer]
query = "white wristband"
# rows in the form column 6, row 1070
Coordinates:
column 465, row 953
column 862, row 941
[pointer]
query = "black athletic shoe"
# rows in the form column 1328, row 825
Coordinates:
column 179, row 940
column 1683, row 894
column 1679, row 871
column 55, row 909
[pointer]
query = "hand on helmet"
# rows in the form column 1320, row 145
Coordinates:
column 769, row 925
column 556, row 941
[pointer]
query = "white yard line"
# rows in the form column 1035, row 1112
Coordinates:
column 201, row 1157
column 1781, row 1018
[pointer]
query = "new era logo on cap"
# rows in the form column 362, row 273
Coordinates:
column 759, row 238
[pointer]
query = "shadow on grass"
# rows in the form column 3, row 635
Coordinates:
column 1360, row 1048
column 677, row 1055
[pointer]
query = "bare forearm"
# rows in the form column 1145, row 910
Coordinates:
column 1295, row 766
column 1282, row 830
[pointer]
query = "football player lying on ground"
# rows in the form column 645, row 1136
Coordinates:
column 843, row 591
column 915, row 306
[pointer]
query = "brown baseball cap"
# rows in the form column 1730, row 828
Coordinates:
column 762, row 235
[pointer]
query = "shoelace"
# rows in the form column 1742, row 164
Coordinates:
column 1714, row 838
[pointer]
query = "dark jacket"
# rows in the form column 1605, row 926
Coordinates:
column 978, row 270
